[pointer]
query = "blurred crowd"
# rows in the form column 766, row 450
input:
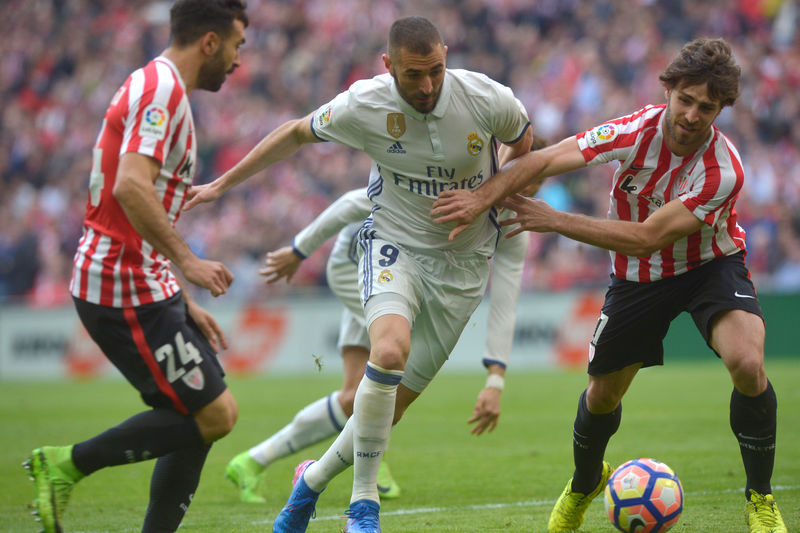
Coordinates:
column 572, row 63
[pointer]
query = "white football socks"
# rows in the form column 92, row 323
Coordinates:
column 373, row 410
column 335, row 460
column 315, row 422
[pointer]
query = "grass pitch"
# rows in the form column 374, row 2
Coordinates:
column 451, row 481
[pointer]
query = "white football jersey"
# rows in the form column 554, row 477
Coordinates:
column 419, row 155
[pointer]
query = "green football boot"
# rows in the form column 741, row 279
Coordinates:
column 388, row 489
column 762, row 514
column 54, row 474
column 245, row 473
column 570, row 509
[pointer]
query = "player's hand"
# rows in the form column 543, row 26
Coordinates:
column 486, row 412
column 532, row 214
column 459, row 206
column 198, row 194
column 281, row 263
column 211, row 275
column 208, row 325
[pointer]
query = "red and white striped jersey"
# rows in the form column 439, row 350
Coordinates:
column 150, row 115
column 650, row 175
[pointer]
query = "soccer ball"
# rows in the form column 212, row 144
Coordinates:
column 643, row 496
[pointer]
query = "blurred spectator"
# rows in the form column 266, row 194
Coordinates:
column 571, row 62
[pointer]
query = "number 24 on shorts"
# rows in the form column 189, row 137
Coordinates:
column 187, row 353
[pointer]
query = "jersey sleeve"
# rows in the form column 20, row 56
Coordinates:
column 506, row 278
column 508, row 115
column 350, row 207
column 151, row 121
column 338, row 121
column 614, row 140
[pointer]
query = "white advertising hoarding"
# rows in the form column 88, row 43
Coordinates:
column 296, row 336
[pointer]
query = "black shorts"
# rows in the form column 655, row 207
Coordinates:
column 160, row 351
column 636, row 316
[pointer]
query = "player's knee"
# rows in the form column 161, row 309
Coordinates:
column 218, row 418
column 748, row 374
column 389, row 354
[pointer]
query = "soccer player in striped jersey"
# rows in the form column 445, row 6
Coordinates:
column 675, row 246
column 124, row 290
column 326, row 416
column 428, row 128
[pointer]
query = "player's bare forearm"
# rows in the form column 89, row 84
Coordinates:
column 278, row 145
column 509, row 152
column 136, row 194
column 634, row 239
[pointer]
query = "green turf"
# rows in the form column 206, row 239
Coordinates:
column 452, row 481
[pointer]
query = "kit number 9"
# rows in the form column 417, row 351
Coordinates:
column 390, row 254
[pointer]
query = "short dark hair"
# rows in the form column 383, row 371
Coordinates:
column 417, row 35
column 705, row 61
column 191, row 19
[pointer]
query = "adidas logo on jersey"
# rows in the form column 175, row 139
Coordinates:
column 396, row 148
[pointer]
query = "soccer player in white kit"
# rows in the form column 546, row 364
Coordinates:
column 675, row 247
column 428, row 129
column 327, row 416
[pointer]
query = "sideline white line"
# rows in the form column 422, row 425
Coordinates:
column 528, row 503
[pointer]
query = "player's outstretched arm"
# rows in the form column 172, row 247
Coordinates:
column 666, row 225
column 463, row 207
column 278, row 145
column 134, row 190
column 283, row 263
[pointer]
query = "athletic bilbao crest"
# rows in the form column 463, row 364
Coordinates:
column 396, row 124
column 194, row 378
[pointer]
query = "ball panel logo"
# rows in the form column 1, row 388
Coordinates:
column 154, row 122
column 602, row 134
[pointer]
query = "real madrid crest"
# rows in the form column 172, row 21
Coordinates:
column 396, row 124
column 385, row 276
column 474, row 144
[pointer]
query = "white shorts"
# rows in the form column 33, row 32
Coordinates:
column 436, row 290
column 342, row 276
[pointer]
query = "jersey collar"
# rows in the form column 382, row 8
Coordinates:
column 174, row 69
column 441, row 105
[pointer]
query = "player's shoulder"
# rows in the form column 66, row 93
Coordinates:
column 158, row 77
column 474, row 83
column 646, row 117
column 371, row 91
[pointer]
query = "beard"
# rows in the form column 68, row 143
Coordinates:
column 213, row 72
column 678, row 136
column 411, row 100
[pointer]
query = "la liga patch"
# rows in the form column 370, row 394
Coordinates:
column 154, row 122
column 602, row 134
